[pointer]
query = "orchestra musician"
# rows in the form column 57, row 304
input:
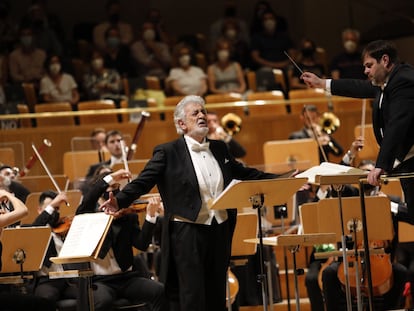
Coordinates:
column 311, row 129
column 390, row 83
column 10, row 299
column 114, row 276
column 196, row 241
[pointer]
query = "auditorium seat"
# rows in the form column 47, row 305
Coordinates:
column 55, row 121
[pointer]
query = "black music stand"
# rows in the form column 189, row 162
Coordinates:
column 241, row 193
column 294, row 241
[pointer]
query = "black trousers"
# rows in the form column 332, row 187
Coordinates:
column 407, row 185
column 199, row 258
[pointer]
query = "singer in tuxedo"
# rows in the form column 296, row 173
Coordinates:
column 196, row 241
column 391, row 84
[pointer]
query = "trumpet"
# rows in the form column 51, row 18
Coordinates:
column 329, row 123
column 231, row 123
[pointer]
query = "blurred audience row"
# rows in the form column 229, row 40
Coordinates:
column 36, row 52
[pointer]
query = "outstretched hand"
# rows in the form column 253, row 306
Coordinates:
column 110, row 206
column 312, row 80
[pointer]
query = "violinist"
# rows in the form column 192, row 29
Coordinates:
column 310, row 118
column 52, row 289
column 115, row 276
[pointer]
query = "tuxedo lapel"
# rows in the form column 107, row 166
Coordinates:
column 187, row 163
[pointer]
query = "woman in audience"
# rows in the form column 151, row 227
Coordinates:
column 56, row 85
column 184, row 78
column 225, row 75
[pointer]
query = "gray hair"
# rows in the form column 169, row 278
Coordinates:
column 179, row 113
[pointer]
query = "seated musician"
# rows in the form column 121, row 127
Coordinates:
column 114, row 277
column 10, row 299
column 389, row 296
column 53, row 289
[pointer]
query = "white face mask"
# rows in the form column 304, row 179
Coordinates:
column 269, row 24
column 149, row 35
column 350, row 46
column 97, row 63
column 54, row 68
column 223, row 55
column 185, row 60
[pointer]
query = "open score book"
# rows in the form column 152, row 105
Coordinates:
column 85, row 238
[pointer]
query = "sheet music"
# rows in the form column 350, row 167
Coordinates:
column 84, row 234
column 327, row 168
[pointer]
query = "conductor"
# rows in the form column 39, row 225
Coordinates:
column 391, row 84
column 196, row 241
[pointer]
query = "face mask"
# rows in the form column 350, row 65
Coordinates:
column 231, row 33
column 223, row 55
column 269, row 24
column 54, row 68
column 97, row 63
column 26, row 41
column 307, row 52
column 350, row 46
column 185, row 60
column 114, row 18
column 113, row 42
column 149, row 35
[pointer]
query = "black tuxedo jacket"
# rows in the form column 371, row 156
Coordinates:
column 396, row 115
column 172, row 170
column 125, row 231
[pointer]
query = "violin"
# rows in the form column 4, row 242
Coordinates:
column 63, row 226
column 381, row 272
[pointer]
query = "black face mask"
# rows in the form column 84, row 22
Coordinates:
column 105, row 195
column 114, row 18
column 307, row 52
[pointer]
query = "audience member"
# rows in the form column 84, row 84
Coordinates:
column 26, row 62
column 101, row 82
column 43, row 36
column 259, row 9
column 56, row 85
column 117, row 55
column 113, row 274
column 152, row 56
column 185, row 78
column 307, row 62
column 311, row 126
column 348, row 63
column 216, row 131
column 8, row 28
column 155, row 17
column 113, row 10
column 269, row 45
column 241, row 48
column 230, row 14
column 225, row 75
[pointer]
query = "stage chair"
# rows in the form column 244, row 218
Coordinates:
column 261, row 109
column 216, row 99
column 351, row 104
column 76, row 163
column 278, row 75
column 43, row 182
column 32, row 203
column 23, row 108
column 55, row 121
column 30, row 95
column 7, row 156
column 282, row 155
column 316, row 97
column 170, row 101
column 97, row 105
column 280, row 79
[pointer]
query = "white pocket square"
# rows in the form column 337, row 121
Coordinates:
column 226, row 161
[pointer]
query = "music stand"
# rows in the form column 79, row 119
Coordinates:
column 20, row 256
column 274, row 191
